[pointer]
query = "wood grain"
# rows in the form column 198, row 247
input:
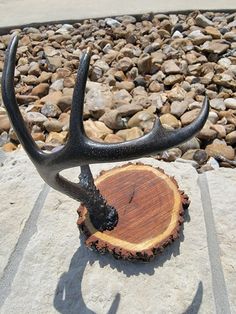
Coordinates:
column 150, row 208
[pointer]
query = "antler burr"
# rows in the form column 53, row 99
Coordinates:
column 81, row 150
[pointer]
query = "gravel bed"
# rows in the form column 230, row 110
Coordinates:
column 142, row 68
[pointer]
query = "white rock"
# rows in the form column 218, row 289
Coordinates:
column 230, row 103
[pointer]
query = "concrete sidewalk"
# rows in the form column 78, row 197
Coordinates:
column 45, row 267
column 15, row 12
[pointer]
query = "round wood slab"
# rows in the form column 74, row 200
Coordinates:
column 150, row 208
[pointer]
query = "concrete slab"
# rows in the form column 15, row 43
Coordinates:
column 15, row 12
column 20, row 187
column 58, row 274
column 222, row 188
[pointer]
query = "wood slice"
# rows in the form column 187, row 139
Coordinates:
column 150, row 208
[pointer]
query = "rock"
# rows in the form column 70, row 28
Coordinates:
column 173, row 79
column 96, row 74
column 69, row 82
column 220, row 149
column 53, row 125
column 34, row 69
column 98, row 100
column 113, row 138
column 170, row 120
column 112, row 119
column 157, row 100
column 56, row 139
column 30, row 80
column 224, row 62
column 145, row 64
column 231, row 36
column 51, row 99
column 177, row 108
column 44, row 77
column 214, row 32
column 207, row 133
column 4, row 123
column 217, row 103
column 171, row 154
column 26, row 99
column 213, row 117
column 40, row 90
column 177, row 34
column 121, row 97
column 58, row 85
column 39, row 136
column 231, row 138
column 197, row 38
column 212, row 162
column 64, row 119
column 126, row 19
column 130, row 134
column 50, row 110
column 191, row 144
column 170, row 67
column 54, row 63
column 229, row 128
column 4, row 138
column 225, row 79
column 230, row 117
column 198, row 155
column 64, row 103
column 220, row 129
column 9, row 147
column 35, row 118
column 177, row 93
column 189, row 116
column 96, row 129
column 215, row 47
column 120, row 76
column 125, row 64
column 203, row 21
column 129, row 109
column 112, row 22
column 155, row 87
column 61, row 73
column 230, row 103
column 127, row 85
column 142, row 119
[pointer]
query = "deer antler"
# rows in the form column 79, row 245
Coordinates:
column 80, row 150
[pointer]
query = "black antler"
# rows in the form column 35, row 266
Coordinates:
column 82, row 151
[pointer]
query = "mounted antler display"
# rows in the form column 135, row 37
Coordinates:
column 81, row 150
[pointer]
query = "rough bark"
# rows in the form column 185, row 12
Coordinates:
column 150, row 208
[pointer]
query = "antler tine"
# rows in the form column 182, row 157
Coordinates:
column 157, row 140
column 8, row 96
column 76, row 118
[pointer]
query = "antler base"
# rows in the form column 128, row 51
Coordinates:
column 150, row 208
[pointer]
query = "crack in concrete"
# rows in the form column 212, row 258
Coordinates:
column 28, row 231
column 218, row 280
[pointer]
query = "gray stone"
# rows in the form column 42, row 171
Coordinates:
column 230, row 103
column 112, row 22
column 177, row 108
column 35, row 118
column 203, row 21
column 218, row 104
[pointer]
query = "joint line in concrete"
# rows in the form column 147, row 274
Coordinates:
column 218, row 281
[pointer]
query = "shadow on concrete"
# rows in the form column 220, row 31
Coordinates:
column 197, row 301
column 68, row 298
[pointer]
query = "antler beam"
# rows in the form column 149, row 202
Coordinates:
column 80, row 150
